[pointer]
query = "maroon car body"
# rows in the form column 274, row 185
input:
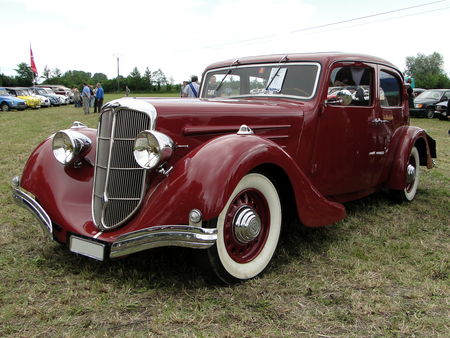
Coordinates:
column 304, row 132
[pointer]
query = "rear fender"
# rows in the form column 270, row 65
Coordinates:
column 205, row 178
column 403, row 140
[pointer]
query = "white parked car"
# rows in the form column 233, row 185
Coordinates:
column 45, row 101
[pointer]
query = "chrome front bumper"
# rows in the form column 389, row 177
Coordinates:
column 156, row 236
column 26, row 200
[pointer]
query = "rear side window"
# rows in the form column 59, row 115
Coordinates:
column 390, row 90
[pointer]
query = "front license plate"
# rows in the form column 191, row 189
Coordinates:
column 88, row 248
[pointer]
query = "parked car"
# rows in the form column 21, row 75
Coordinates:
column 441, row 110
column 424, row 104
column 31, row 101
column 418, row 91
column 54, row 99
column 223, row 172
column 63, row 100
column 8, row 101
column 61, row 90
column 45, row 101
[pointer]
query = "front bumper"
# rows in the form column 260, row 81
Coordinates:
column 152, row 237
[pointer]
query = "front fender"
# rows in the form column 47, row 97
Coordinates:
column 403, row 140
column 205, row 178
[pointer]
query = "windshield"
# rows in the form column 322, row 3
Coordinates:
column 430, row 94
column 21, row 93
column 48, row 90
column 40, row 91
column 299, row 79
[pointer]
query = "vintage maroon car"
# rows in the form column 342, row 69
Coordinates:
column 268, row 135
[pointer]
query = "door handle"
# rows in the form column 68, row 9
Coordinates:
column 379, row 121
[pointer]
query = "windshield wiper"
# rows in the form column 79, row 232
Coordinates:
column 235, row 62
column 223, row 79
column 276, row 73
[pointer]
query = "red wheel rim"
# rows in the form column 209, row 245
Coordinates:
column 246, row 252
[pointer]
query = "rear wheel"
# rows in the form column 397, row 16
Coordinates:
column 411, row 178
column 248, row 230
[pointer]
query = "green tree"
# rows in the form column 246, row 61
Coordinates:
column 47, row 74
column 25, row 75
column 134, row 80
column 159, row 79
column 427, row 70
column 147, row 80
column 99, row 77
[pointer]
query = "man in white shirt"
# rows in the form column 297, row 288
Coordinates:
column 192, row 89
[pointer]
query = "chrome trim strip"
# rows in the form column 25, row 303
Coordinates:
column 27, row 201
column 163, row 235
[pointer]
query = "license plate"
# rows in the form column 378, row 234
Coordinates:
column 87, row 248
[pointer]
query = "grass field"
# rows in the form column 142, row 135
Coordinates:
column 383, row 271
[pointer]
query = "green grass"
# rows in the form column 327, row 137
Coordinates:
column 383, row 271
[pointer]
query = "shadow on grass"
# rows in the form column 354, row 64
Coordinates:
column 173, row 267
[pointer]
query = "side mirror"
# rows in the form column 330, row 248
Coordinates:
column 341, row 98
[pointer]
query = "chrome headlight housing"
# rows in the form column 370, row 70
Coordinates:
column 152, row 148
column 68, row 145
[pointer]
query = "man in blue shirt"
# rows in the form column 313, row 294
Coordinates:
column 86, row 96
column 99, row 95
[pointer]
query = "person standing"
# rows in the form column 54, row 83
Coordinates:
column 184, row 84
column 192, row 89
column 127, row 91
column 99, row 95
column 91, row 102
column 410, row 92
column 86, row 97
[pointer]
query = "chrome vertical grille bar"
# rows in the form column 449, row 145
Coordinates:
column 119, row 183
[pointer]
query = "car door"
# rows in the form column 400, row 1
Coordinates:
column 389, row 117
column 346, row 134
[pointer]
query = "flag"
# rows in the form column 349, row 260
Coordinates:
column 32, row 64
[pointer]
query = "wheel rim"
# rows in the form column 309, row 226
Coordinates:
column 430, row 113
column 246, row 226
column 411, row 174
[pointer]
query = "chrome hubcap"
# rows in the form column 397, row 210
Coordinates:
column 246, row 224
column 410, row 174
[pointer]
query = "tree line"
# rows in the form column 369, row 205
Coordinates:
column 427, row 70
column 149, row 81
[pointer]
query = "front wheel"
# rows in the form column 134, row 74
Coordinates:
column 248, row 230
column 430, row 112
column 411, row 178
column 4, row 107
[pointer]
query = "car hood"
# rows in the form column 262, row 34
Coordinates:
column 192, row 122
column 426, row 101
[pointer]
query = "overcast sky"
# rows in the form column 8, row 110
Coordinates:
column 183, row 36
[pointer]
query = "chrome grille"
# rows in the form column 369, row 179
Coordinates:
column 119, row 182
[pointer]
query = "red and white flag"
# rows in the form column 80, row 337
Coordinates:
column 32, row 64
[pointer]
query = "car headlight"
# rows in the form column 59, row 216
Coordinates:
column 419, row 105
column 152, row 148
column 68, row 145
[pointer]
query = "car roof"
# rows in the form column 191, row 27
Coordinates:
column 322, row 57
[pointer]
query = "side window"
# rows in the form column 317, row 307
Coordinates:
column 351, row 86
column 447, row 95
column 390, row 90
